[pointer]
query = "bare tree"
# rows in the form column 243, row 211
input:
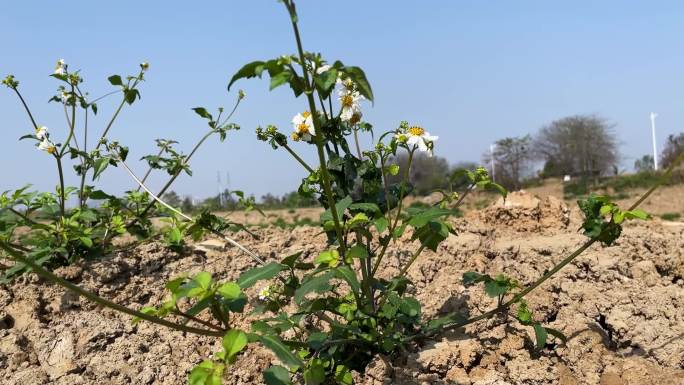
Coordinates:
column 580, row 145
column 513, row 158
column 673, row 147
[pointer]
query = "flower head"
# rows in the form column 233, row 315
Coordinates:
column 303, row 126
column 351, row 110
column 144, row 66
column 47, row 146
column 417, row 136
column 42, row 133
column 264, row 293
column 60, row 68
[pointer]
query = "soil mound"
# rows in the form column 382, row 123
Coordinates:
column 522, row 211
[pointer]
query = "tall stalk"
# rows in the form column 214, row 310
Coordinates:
column 318, row 138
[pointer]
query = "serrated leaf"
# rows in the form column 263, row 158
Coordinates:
column 357, row 251
column 252, row 276
column 316, row 284
column 247, row 71
column 281, row 351
column 201, row 111
column 280, row 79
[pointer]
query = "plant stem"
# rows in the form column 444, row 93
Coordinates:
column 413, row 259
column 61, row 185
column 325, row 175
column 83, row 162
column 101, row 301
column 149, row 170
column 356, row 140
column 72, row 126
column 298, row 158
column 28, row 111
column 399, row 206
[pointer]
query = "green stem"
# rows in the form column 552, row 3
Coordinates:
column 399, row 207
column 72, row 126
column 298, row 158
column 412, row 260
column 101, row 301
column 325, row 175
column 83, row 161
column 28, row 111
column 61, row 185
column 149, row 170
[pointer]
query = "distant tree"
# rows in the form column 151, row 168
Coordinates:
column 427, row 173
column 513, row 158
column 580, row 145
column 172, row 198
column 644, row 164
column 673, row 147
column 293, row 200
column 270, row 201
column 187, row 205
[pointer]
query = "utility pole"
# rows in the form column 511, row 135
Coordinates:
column 491, row 158
column 653, row 136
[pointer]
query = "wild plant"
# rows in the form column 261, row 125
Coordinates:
column 327, row 315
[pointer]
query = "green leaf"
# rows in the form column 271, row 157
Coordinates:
column 422, row 218
column 229, row 291
column 314, row 374
column 381, row 224
column 206, row 373
column 233, row 342
column 540, row 334
column 252, row 276
column 357, row 251
column 87, row 242
column 281, row 351
column 471, row 277
column 115, row 80
column 343, row 375
column 347, row 274
column 280, row 79
column 359, row 78
column 495, row 288
column 329, row 257
column 636, row 214
column 410, row 306
column 201, row 111
column 316, row 340
column 249, row 70
column 367, row 207
column 100, row 165
column 203, row 280
column 316, row 284
column 277, row 375
column 340, row 207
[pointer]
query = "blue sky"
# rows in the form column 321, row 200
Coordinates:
column 468, row 71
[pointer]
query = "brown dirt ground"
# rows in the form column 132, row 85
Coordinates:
column 621, row 306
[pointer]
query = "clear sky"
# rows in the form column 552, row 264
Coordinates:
column 468, row 71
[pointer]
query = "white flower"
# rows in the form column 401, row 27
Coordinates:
column 303, row 126
column 264, row 293
column 60, row 68
column 144, row 66
column 351, row 110
column 65, row 97
column 347, row 85
column 417, row 136
column 42, row 133
column 322, row 69
column 47, row 146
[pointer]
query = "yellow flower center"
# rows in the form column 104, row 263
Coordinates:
column 347, row 101
column 51, row 150
column 348, row 84
column 416, row 131
column 295, row 137
column 303, row 129
column 306, row 114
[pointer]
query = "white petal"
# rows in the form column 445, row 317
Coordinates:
column 422, row 146
column 346, row 114
column 413, row 140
